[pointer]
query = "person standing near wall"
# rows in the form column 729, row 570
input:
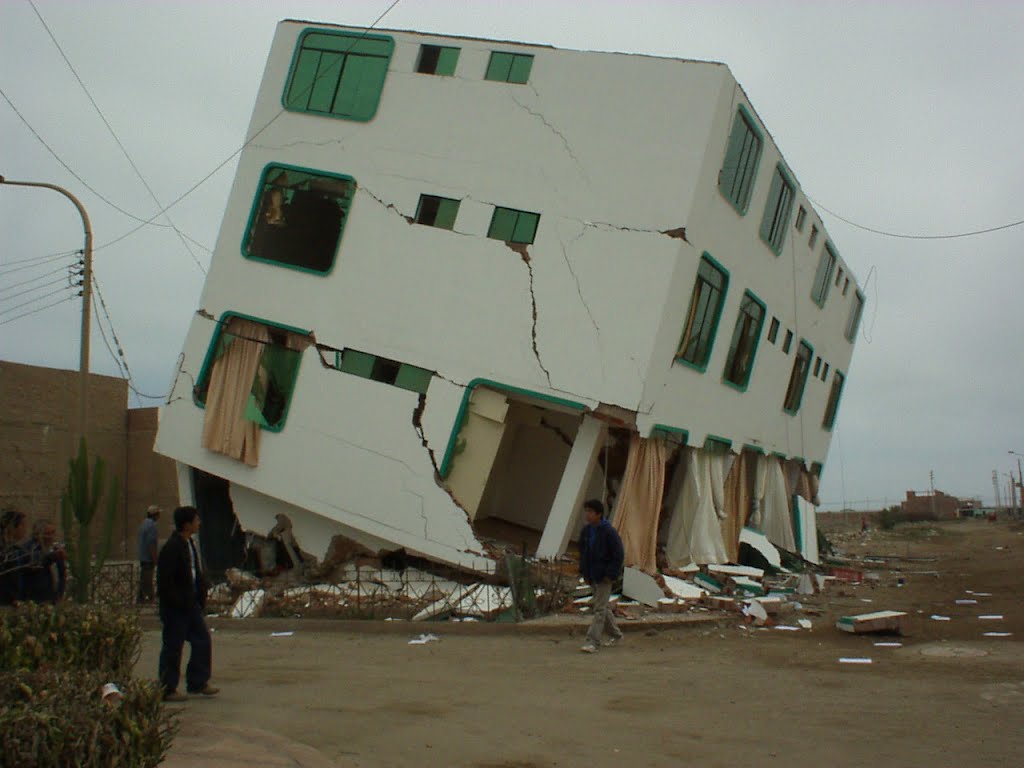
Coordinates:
column 148, row 538
column 13, row 556
column 46, row 574
column 181, row 586
column 601, row 559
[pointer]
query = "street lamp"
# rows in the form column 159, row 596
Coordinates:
column 83, row 362
column 1020, row 481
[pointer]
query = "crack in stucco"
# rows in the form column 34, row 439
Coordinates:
column 301, row 142
column 554, row 130
column 388, row 206
column 678, row 233
column 524, row 254
column 579, row 289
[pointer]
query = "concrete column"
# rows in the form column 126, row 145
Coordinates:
column 575, row 480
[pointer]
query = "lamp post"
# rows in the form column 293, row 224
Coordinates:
column 83, row 362
column 1020, row 482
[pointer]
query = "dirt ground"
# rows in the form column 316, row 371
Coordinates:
column 708, row 695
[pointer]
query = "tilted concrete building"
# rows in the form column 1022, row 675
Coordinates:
column 456, row 276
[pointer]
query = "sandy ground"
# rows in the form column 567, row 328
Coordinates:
column 704, row 695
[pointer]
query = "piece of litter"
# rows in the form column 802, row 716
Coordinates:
column 424, row 639
column 866, row 600
column 853, row 660
column 936, row 617
column 998, row 634
column 992, row 617
column 281, row 634
column 804, row 623
column 966, row 602
column 787, row 628
column 889, row 645
column 982, row 594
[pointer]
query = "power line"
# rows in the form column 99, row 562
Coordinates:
column 117, row 345
column 32, row 301
column 113, row 133
column 904, row 236
column 39, row 258
column 27, row 291
column 48, row 260
column 34, row 279
column 38, row 310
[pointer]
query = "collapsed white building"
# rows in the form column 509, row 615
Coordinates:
column 462, row 285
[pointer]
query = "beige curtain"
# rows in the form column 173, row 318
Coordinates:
column 639, row 502
column 775, row 517
column 737, row 505
column 695, row 533
column 225, row 428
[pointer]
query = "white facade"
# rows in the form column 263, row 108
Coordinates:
column 620, row 155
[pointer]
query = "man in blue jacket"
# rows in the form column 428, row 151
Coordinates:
column 600, row 565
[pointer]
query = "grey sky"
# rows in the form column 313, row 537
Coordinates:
column 901, row 116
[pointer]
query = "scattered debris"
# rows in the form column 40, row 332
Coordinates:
column 936, row 617
column 998, row 634
column 424, row 639
column 992, row 617
column 281, row 634
column 888, row 645
column 249, row 604
column 869, row 623
column 854, row 660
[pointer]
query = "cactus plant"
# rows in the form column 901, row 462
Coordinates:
column 78, row 506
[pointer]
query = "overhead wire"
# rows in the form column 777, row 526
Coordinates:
column 38, row 277
column 32, row 301
column 38, row 309
column 48, row 260
column 27, row 291
column 39, row 258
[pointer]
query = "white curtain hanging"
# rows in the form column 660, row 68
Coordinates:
column 695, row 534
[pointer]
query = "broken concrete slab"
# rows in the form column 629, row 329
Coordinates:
column 747, row 571
column 759, row 542
column 867, row 623
column 249, row 604
column 642, row 587
column 684, row 590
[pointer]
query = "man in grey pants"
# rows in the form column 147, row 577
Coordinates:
column 600, row 565
column 147, row 553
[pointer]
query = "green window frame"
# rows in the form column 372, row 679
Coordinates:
column 506, row 67
column 273, row 385
column 437, row 60
column 440, row 212
column 298, row 217
column 798, row 378
column 746, row 336
column 338, row 74
column 706, row 304
column 717, row 445
column 777, row 210
column 856, row 310
column 813, row 239
column 834, row 395
column 513, row 226
column 742, row 155
column 823, row 277
column 382, row 369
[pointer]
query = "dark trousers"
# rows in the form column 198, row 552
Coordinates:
column 181, row 627
column 146, row 571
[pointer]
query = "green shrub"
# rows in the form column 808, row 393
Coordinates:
column 101, row 639
column 58, row 718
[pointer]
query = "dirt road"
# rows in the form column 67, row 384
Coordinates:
column 721, row 696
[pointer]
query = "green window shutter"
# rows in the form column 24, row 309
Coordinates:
column 502, row 224
column 526, row 228
column 499, row 67
column 327, row 74
column 301, row 87
column 519, row 72
column 730, row 166
column 360, row 87
column 769, row 210
column 412, row 378
column 357, row 363
column 446, row 61
column 253, row 412
column 347, row 42
column 447, row 210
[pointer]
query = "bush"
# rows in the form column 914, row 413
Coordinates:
column 69, row 637
column 50, row 718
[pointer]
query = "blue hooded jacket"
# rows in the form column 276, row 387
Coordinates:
column 600, row 552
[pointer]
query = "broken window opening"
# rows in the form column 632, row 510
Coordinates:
column 773, row 331
column 439, row 212
column 742, row 154
column 298, row 218
column 706, row 305
column 740, row 363
column 817, row 367
column 846, row 286
column 824, row 373
column 787, row 343
column 823, row 277
column 801, row 216
column 339, row 74
column 375, row 368
column 812, row 241
column 777, row 210
column 513, row 226
column 798, row 378
column 385, row 371
column 506, row 67
column 832, row 407
column 853, row 323
column 437, row 60
column 839, row 276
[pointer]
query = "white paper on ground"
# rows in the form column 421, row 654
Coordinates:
column 936, row 617
column 787, row 628
column 866, row 600
column 998, row 634
column 852, row 660
column 966, row 602
column 804, row 623
column 424, row 639
column 888, row 645
column 992, row 617
column 281, row 634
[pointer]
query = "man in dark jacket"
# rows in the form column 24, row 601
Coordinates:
column 181, row 587
column 600, row 565
column 46, row 574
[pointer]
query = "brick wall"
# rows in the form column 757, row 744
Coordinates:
column 152, row 478
column 920, row 506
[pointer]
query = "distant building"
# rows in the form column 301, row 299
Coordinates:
column 925, row 505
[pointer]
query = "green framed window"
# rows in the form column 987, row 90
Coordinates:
column 742, row 154
column 338, row 74
column 856, row 310
column 773, row 331
column 437, row 60
column 376, row 368
column 507, row 67
column 817, row 366
column 437, row 211
column 823, row 277
column 775, row 222
column 798, row 378
column 298, row 217
column 271, row 388
column 718, row 445
column 705, row 311
column 513, row 226
column 745, row 337
column 832, row 407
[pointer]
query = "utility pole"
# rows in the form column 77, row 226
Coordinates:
column 931, row 484
column 83, row 361
column 995, row 487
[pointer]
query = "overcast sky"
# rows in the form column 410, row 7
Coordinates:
column 902, row 116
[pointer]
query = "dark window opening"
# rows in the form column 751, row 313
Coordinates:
column 787, row 343
column 824, row 373
column 437, row 60
column 853, row 323
column 839, row 276
column 846, row 286
column 437, row 211
column 298, row 218
column 739, row 169
column 385, row 371
column 742, row 349
column 798, row 378
column 832, row 408
column 380, row 369
column 814, row 236
column 823, row 277
column 817, row 367
column 773, row 331
column 801, row 216
column 777, row 210
column 704, row 313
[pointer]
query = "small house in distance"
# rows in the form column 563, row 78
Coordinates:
column 462, row 285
